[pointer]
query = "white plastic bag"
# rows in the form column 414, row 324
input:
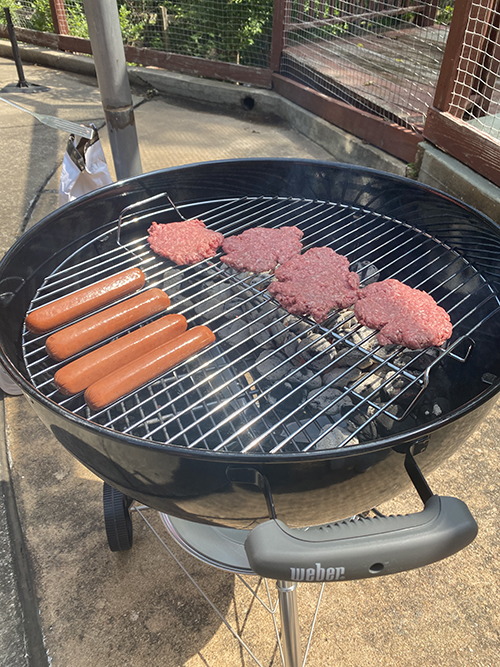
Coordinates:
column 84, row 168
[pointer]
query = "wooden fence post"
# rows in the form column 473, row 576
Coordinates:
column 281, row 16
column 58, row 11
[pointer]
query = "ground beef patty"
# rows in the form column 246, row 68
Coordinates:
column 261, row 249
column 315, row 283
column 184, row 242
column 404, row 315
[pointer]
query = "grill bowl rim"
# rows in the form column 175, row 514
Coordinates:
column 411, row 435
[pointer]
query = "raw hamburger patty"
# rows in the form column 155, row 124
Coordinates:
column 261, row 248
column 314, row 283
column 184, row 242
column 404, row 315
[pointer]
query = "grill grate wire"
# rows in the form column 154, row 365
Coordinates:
column 255, row 390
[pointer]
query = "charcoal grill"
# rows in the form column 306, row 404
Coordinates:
column 281, row 418
column 283, row 428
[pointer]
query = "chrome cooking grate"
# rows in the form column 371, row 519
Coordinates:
column 273, row 382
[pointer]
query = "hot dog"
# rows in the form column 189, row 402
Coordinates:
column 84, row 301
column 92, row 330
column 80, row 373
column 151, row 365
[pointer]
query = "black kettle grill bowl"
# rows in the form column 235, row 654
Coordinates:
column 234, row 488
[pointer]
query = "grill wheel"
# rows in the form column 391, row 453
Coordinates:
column 117, row 520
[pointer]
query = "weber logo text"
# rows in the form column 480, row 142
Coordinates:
column 317, row 573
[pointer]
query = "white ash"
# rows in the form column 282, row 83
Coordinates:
column 436, row 411
column 316, row 351
column 234, row 307
column 322, row 400
column 297, row 325
column 343, row 321
column 386, row 351
column 251, row 278
column 332, row 376
column 365, row 338
column 369, row 384
column 235, row 332
column 365, row 341
column 416, row 358
column 335, row 438
column 261, row 337
column 272, row 366
column 355, row 357
column 305, row 376
column 283, row 337
column 267, row 312
column 367, row 271
column 393, row 387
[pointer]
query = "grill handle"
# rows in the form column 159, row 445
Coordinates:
column 361, row 548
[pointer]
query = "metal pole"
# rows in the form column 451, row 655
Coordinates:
column 111, row 68
column 22, row 83
column 290, row 628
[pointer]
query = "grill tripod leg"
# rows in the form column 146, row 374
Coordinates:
column 290, row 629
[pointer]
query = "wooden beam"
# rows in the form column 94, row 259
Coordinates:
column 50, row 40
column 452, row 54
column 390, row 137
column 256, row 76
column 212, row 69
column 281, row 15
column 470, row 146
column 350, row 17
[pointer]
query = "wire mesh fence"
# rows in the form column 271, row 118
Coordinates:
column 237, row 31
column 476, row 90
column 382, row 57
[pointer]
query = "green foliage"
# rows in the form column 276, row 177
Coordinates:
column 136, row 19
column 444, row 13
column 228, row 30
column 77, row 21
column 41, row 18
column 14, row 8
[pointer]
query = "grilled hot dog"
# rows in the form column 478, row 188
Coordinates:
column 80, row 373
column 152, row 364
column 92, row 330
column 84, row 301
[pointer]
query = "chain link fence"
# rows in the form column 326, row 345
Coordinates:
column 236, row 31
column 476, row 90
column 382, row 57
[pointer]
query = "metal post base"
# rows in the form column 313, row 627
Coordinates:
column 28, row 88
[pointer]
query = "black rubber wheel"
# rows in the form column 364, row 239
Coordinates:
column 117, row 518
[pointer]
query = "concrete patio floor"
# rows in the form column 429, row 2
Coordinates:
column 92, row 606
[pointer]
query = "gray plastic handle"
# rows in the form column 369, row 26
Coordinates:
column 362, row 548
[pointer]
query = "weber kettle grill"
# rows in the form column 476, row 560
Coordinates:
column 283, row 429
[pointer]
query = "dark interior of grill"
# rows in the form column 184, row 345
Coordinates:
column 274, row 383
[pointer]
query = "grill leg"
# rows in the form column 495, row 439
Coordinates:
column 290, row 629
